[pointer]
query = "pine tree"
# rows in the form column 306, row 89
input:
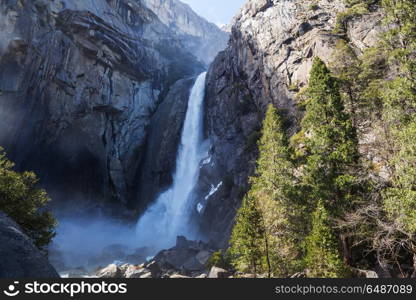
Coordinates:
column 247, row 239
column 347, row 68
column 21, row 200
column 330, row 142
column 322, row 258
column 272, row 193
column 328, row 180
column 273, row 187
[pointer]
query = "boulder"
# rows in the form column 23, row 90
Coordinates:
column 19, row 258
column 154, row 269
column 365, row 273
column 218, row 273
column 246, row 276
column 135, row 272
column 298, row 275
column 124, row 268
column 138, row 256
column 182, row 242
column 304, row 28
column 178, row 276
column 187, row 257
column 111, row 271
column 147, row 275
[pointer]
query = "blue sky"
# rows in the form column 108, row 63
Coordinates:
column 217, row 11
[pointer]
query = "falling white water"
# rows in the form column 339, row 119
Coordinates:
column 169, row 216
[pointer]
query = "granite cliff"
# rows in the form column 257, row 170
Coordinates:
column 80, row 82
column 268, row 59
column 200, row 37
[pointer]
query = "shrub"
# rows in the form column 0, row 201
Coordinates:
column 345, row 16
column 21, row 200
column 313, row 6
column 219, row 259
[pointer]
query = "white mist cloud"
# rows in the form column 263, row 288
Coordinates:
column 91, row 241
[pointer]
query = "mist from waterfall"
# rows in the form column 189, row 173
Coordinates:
column 169, row 216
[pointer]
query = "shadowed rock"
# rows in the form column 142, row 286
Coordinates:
column 19, row 258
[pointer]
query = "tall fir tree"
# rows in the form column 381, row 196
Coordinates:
column 328, row 179
column 272, row 192
column 273, row 186
column 248, row 238
column 399, row 100
column 330, row 142
column 323, row 259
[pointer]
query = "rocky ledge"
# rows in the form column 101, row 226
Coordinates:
column 188, row 259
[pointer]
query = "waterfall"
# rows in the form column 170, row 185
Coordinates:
column 169, row 216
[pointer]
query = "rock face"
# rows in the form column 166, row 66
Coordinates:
column 79, row 84
column 19, row 257
column 187, row 259
column 271, row 50
column 164, row 136
column 200, row 37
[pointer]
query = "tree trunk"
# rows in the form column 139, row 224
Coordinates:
column 346, row 249
column 269, row 267
column 383, row 268
column 414, row 267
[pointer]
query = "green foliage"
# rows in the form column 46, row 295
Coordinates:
column 322, row 258
column 347, row 67
column 271, row 200
column 274, row 188
column 350, row 3
column 400, row 200
column 328, row 179
column 274, row 221
column 247, row 239
column 344, row 17
column 313, row 6
column 219, row 259
column 306, row 199
column 384, row 80
column 331, row 146
column 23, row 202
column 399, row 100
column 294, row 87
